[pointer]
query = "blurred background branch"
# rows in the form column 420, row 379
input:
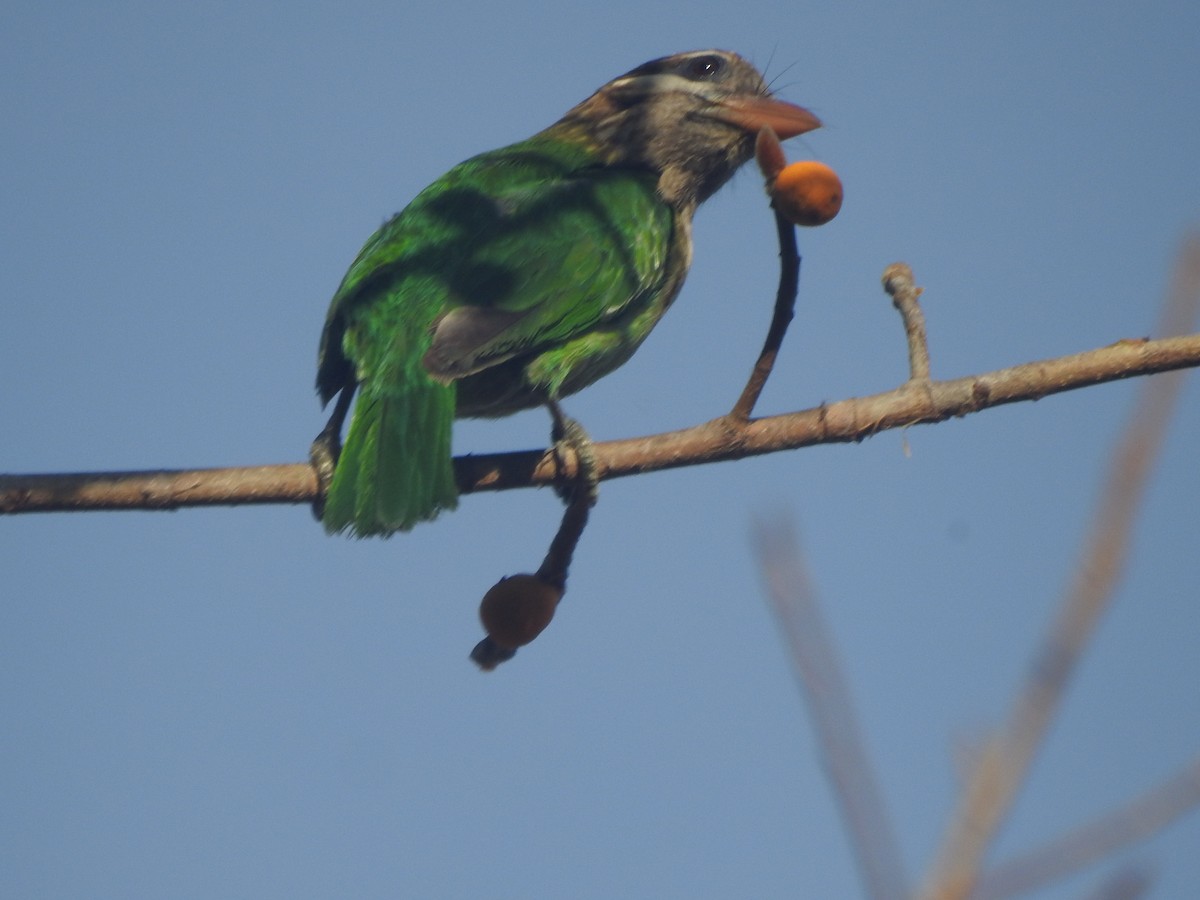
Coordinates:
column 1140, row 818
column 839, row 738
column 1003, row 765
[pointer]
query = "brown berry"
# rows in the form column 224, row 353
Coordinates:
column 807, row 193
column 516, row 609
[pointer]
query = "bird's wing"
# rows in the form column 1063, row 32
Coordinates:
column 558, row 259
column 508, row 253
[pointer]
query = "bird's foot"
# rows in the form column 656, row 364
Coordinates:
column 325, row 450
column 323, row 456
column 569, row 437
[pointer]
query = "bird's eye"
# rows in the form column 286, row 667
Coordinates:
column 704, row 67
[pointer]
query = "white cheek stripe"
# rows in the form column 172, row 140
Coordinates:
column 666, row 83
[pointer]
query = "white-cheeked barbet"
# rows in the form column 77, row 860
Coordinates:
column 524, row 274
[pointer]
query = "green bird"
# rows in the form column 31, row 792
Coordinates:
column 523, row 275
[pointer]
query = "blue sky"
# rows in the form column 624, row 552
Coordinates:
column 228, row 703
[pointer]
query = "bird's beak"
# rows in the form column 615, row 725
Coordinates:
column 752, row 112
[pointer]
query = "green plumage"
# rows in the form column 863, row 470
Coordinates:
column 533, row 246
column 523, row 275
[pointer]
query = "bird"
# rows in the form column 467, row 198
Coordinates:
column 523, row 275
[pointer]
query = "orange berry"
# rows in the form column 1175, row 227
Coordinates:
column 807, row 193
column 515, row 610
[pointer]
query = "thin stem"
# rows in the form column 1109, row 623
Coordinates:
column 785, row 309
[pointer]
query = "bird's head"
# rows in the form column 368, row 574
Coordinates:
column 692, row 118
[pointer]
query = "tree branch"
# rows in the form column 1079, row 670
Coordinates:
column 719, row 440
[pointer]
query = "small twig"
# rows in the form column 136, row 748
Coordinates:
column 785, row 309
column 843, row 749
column 1143, row 816
column 1004, row 762
column 898, row 282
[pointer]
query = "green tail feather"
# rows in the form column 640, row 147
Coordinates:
column 396, row 468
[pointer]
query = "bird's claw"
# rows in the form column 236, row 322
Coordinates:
column 569, row 437
column 323, row 456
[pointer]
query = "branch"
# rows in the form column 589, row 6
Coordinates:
column 719, row 440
